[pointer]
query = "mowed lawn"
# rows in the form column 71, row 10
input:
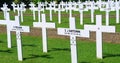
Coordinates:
column 28, row 18
column 58, row 51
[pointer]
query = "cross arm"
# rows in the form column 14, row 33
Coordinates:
column 3, row 22
column 108, row 29
column 90, row 27
column 47, row 25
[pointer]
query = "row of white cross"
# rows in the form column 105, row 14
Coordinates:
column 80, row 6
column 71, row 31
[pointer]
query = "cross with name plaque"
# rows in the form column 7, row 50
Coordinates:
column 73, row 33
column 18, row 29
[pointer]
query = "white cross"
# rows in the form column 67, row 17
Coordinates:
column 62, row 4
column 75, row 6
column 66, row 6
column 81, row 9
column 70, row 9
column 14, row 6
column 43, row 6
column 15, row 26
column 59, row 13
column 87, row 5
column 44, row 25
column 39, row 10
column 92, row 8
column 73, row 33
column 99, row 29
column 53, row 4
column 6, row 22
column 22, row 8
column 33, row 8
column 50, row 8
column 117, row 7
column 5, row 9
column 107, row 9
column 18, row 29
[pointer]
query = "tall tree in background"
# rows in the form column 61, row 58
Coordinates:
column 17, row 1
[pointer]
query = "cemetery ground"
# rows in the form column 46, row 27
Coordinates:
column 58, row 49
column 28, row 18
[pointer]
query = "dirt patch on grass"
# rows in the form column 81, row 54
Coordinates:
column 52, row 33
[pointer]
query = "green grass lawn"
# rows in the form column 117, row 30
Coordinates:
column 28, row 19
column 58, row 51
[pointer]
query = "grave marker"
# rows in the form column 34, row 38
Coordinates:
column 117, row 7
column 18, row 29
column 14, row 6
column 32, row 8
column 70, row 9
column 15, row 26
column 92, row 8
column 99, row 29
column 44, row 25
column 8, row 23
column 81, row 9
column 22, row 8
column 5, row 9
column 59, row 13
column 50, row 8
column 73, row 33
column 107, row 10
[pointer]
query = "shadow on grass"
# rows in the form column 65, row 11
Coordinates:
column 84, row 62
column 111, row 55
column 31, row 45
column 90, row 62
column 28, row 45
column 6, row 51
column 59, row 49
column 1, row 41
column 38, row 56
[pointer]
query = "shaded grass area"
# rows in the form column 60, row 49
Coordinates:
column 58, row 51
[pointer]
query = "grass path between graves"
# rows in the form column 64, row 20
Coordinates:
column 58, row 51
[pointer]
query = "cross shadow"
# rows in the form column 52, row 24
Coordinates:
column 6, row 51
column 30, row 45
column 24, row 45
column 89, row 62
column 59, row 49
column 32, row 56
column 84, row 62
column 111, row 55
column 1, row 41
